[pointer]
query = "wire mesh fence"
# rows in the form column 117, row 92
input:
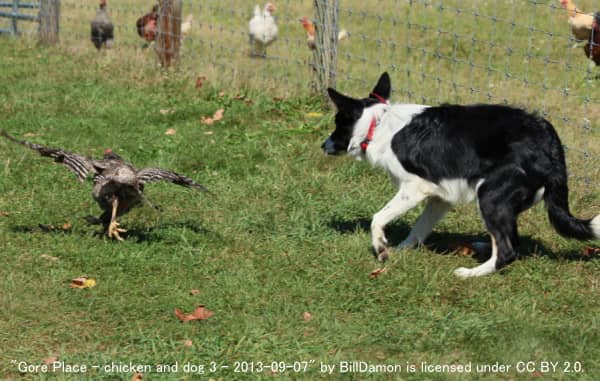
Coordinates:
column 456, row 51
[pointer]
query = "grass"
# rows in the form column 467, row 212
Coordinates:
column 286, row 234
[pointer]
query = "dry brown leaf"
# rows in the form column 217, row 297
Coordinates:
column 307, row 316
column 171, row 131
column 4, row 213
column 200, row 81
column 375, row 273
column 278, row 99
column 82, row 282
column 218, row 114
column 49, row 257
column 589, row 251
column 249, row 102
column 464, row 250
column 137, row 377
column 187, row 343
column 50, row 360
column 221, row 94
column 194, row 292
column 239, row 97
column 200, row 313
column 206, row 120
column 67, row 226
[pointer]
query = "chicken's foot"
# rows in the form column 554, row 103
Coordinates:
column 113, row 227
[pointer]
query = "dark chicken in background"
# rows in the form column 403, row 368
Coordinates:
column 102, row 28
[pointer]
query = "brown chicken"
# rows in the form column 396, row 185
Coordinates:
column 118, row 185
column 147, row 24
column 309, row 27
column 592, row 48
column 580, row 23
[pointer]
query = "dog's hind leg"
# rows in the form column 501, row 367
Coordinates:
column 502, row 196
column 407, row 198
column 435, row 210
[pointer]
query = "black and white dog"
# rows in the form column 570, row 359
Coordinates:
column 505, row 157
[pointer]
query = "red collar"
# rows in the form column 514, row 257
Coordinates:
column 365, row 143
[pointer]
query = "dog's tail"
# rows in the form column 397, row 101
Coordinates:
column 556, row 197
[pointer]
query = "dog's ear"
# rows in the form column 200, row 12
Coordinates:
column 344, row 103
column 383, row 88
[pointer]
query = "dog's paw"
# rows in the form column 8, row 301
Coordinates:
column 384, row 255
column 379, row 246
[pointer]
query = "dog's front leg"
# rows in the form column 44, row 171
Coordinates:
column 407, row 198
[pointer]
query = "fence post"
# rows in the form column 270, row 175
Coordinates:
column 325, row 54
column 13, row 24
column 168, row 34
column 49, row 21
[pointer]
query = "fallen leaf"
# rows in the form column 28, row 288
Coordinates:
column 537, row 373
column 307, row 316
column 194, row 292
column 464, row 250
column 170, row 131
column 4, row 213
column 200, row 81
column 589, row 250
column 187, row 343
column 239, row 97
column 205, row 120
column 314, row 114
column 30, row 134
column 50, row 360
column 218, row 114
column 278, row 99
column 249, row 102
column 166, row 111
column 377, row 272
column 137, row 377
column 49, row 257
column 221, row 94
column 200, row 313
column 51, row 228
column 82, row 282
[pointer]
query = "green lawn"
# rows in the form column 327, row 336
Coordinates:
column 286, row 233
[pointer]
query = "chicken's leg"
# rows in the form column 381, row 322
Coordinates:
column 113, row 227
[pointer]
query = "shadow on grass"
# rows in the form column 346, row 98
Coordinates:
column 450, row 243
column 155, row 233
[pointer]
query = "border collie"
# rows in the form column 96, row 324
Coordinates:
column 504, row 157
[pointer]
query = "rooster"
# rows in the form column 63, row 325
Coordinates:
column 102, row 28
column 118, row 186
column 309, row 26
column 263, row 30
column 146, row 25
column 592, row 48
column 580, row 23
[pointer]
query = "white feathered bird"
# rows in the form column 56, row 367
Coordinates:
column 263, row 30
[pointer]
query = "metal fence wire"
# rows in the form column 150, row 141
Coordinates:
column 456, row 51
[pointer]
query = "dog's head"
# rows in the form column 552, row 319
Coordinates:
column 349, row 111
